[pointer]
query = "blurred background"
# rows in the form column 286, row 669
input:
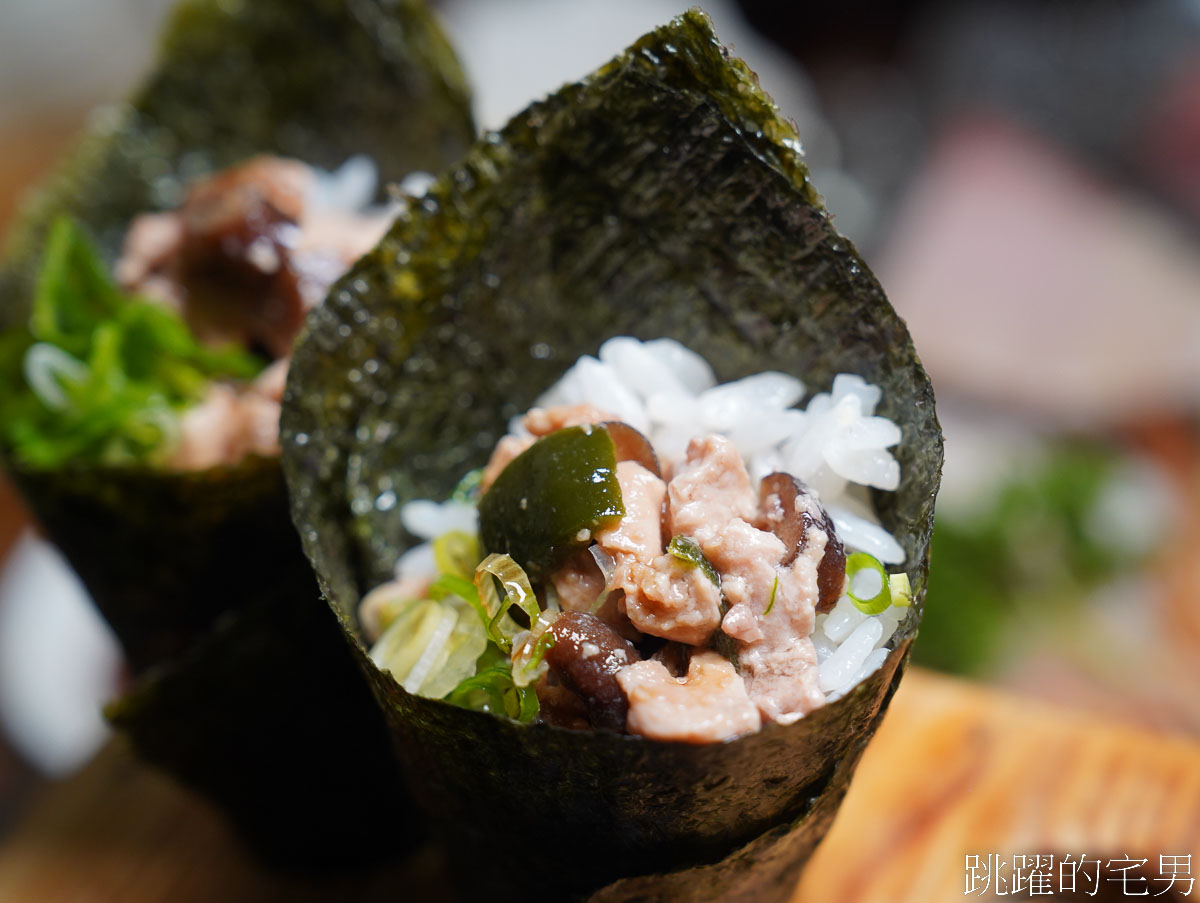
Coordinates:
column 1024, row 177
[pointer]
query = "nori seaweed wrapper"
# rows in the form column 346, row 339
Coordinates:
column 662, row 196
column 258, row 716
column 166, row 554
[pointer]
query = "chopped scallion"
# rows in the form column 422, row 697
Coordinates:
column 467, row 490
column 774, row 590
column 516, row 590
column 98, row 376
column 529, row 651
column 862, row 589
column 456, row 553
column 431, row 646
column 492, row 690
column 688, row 550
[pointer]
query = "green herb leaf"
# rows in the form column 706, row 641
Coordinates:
column 688, row 551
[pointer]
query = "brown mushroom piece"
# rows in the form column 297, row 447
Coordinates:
column 631, row 445
column 235, row 260
column 586, row 656
column 790, row 511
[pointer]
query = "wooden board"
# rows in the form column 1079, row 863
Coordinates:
column 960, row 770
column 955, row 770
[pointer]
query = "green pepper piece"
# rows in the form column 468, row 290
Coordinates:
column 549, row 501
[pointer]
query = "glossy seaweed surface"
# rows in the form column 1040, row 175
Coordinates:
column 662, row 196
column 166, row 555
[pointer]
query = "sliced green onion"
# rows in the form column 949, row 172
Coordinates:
column 456, row 553
column 501, row 628
column 688, row 550
column 73, row 291
column 528, row 705
column 529, row 651
column 860, row 562
column 492, row 690
column 774, row 590
column 901, row 591
column 98, row 376
column 452, row 585
column 431, row 646
column 46, row 367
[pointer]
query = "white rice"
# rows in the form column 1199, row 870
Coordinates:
column 352, row 188
column 835, row 445
column 347, row 189
column 429, row 520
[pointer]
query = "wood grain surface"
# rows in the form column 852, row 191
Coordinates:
column 960, row 770
column 955, row 770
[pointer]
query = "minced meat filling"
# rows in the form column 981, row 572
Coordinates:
column 708, row 705
column 659, row 596
column 767, row 548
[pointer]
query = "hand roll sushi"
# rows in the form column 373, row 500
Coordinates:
column 129, row 429
column 568, row 665
column 669, row 581
column 148, row 299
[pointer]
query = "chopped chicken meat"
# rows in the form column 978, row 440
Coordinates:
column 231, row 423
column 709, row 705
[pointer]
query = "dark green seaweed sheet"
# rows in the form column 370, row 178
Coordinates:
column 164, row 554
column 661, row 196
column 258, row 715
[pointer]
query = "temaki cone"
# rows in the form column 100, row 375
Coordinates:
column 246, row 690
column 662, row 196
